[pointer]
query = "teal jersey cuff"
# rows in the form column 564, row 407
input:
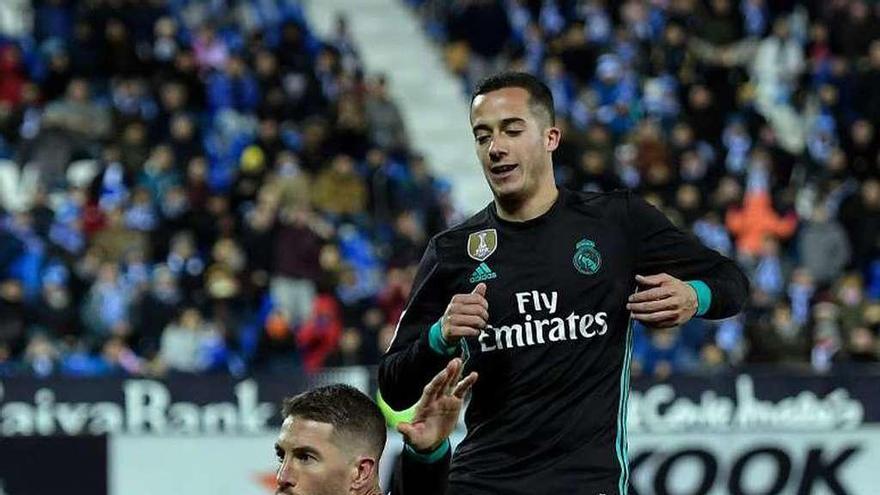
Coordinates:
column 438, row 343
column 704, row 296
column 429, row 457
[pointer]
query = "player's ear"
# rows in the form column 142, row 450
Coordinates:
column 364, row 473
column 551, row 138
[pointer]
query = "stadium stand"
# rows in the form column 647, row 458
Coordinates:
column 194, row 187
column 191, row 188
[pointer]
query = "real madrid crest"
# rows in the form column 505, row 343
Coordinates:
column 482, row 244
column 587, row 259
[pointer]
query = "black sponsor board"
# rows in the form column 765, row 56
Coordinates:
column 769, row 385
column 53, row 464
column 742, row 401
column 183, row 404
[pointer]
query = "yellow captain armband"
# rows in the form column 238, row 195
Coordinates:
column 392, row 417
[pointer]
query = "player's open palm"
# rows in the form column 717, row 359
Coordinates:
column 437, row 410
column 466, row 315
column 662, row 301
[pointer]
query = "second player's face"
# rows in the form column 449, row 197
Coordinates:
column 310, row 462
column 512, row 142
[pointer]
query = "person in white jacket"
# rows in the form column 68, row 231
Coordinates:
column 776, row 67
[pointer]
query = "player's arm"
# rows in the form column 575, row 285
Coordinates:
column 428, row 332
column 678, row 276
column 424, row 475
column 424, row 464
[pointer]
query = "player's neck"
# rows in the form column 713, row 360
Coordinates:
column 528, row 208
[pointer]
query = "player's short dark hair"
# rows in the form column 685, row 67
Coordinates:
column 540, row 97
column 352, row 414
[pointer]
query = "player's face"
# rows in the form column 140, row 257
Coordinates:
column 310, row 462
column 513, row 143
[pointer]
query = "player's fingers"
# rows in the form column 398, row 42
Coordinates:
column 656, row 316
column 435, row 386
column 646, row 280
column 654, row 280
column 455, row 310
column 472, row 309
column 657, row 278
column 651, row 294
column 650, row 306
column 448, row 374
column 461, row 299
column 464, row 385
column 467, row 321
column 452, row 370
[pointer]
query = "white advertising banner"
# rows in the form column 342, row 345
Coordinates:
column 681, row 463
column 737, row 434
column 802, row 463
column 218, row 465
column 205, row 465
column 803, row 442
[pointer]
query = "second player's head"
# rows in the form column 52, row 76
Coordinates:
column 513, row 121
column 330, row 443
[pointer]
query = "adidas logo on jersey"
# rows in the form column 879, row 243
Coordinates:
column 482, row 273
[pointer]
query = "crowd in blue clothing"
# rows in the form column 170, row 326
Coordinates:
column 206, row 186
column 753, row 123
column 193, row 186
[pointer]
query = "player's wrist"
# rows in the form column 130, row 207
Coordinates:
column 438, row 343
column 430, row 454
column 703, row 294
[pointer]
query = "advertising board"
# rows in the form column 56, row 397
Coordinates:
column 746, row 433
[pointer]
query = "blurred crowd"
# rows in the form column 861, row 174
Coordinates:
column 752, row 123
column 191, row 186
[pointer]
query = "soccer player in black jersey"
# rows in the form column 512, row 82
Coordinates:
column 537, row 292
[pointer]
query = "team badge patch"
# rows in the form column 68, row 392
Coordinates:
column 587, row 259
column 482, row 244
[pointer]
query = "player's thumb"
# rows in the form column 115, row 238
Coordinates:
column 405, row 429
column 480, row 289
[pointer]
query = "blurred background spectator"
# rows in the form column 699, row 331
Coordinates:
column 191, row 188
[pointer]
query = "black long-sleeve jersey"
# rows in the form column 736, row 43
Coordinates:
column 548, row 413
column 416, row 477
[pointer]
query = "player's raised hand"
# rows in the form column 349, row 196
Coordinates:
column 437, row 410
column 466, row 315
column 662, row 301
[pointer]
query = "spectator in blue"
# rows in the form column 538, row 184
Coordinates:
column 106, row 308
column 616, row 94
column 662, row 352
column 53, row 19
column 560, row 84
column 233, row 87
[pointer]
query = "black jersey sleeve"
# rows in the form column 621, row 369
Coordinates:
column 416, row 477
column 660, row 247
column 410, row 362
